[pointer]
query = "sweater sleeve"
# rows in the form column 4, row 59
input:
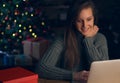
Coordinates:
column 96, row 48
column 47, row 66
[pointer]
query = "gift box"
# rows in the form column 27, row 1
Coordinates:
column 6, row 59
column 39, row 48
column 23, row 60
column 35, row 47
column 27, row 46
column 17, row 75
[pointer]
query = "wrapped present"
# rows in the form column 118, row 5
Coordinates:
column 35, row 47
column 6, row 59
column 23, row 60
column 27, row 47
column 17, row 75
column 39, row 48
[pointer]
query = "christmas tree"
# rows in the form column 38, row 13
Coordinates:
column 20, row 20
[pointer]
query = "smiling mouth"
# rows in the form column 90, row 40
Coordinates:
column 85, row 29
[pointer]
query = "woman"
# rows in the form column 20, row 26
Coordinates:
column 69, row 58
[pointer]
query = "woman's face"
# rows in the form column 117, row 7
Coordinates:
column 85, row 20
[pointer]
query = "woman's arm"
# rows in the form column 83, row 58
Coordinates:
column 96, row 47
column 47, row 66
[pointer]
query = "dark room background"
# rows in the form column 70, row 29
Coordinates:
column 48, row 19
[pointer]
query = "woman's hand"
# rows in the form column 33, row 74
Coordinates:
column 92, row 31
column 82, row 75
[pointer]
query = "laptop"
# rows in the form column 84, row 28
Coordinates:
column 107, row 71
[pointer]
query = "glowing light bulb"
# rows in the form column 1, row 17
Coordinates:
column 20, row 25
column 32, row 15
column 30, row 26
column 3, row 21
column 17, row 5
column 15, row 20
column 22, row 14
column 1, row 13
column 26, row 13
column 33, row 34
column 24, row 28
column 43, row 23
column 4, row 5
column 30, row 30
column 20, row 37
column 20, row 31
column 2, row 33
column 13, row 34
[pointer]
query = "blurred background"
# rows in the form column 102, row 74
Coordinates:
column 36, row 20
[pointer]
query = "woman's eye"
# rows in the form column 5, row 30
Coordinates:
column 79, row 21
column 89, row 19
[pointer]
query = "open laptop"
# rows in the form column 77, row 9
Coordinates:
column 105, row 72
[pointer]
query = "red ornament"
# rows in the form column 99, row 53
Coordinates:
column 6, row 18
column 17, row 12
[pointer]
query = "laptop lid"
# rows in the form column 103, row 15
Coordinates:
column 105, row 72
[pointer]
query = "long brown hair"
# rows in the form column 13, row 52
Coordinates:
column 72, row 53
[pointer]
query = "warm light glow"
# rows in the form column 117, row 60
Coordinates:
column 20, row 37
column 30, row 30
column 17, row 5
column 15, row 20
column 1, row 13
column 2, row 33
column 26, row 13
column 20, row 31
column 30, row 26
column 3, row 21
column 13, row 34
column 33, row 34
column 31, row 14
column 20, row 25
column 22, row 14
column 24, row 28
column 4, row 5
column 43, row 23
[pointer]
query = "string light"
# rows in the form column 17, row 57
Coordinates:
column 33, row 34
column 20, row 31
column 17, row 5
column 31, row 14
column 4, row 5
column 15, row 21
column 20, row 25
column 43, row 23
column 30, row 26
column 5, row 47
column 22, row 14
column 24, row 28
column 3, row 21
column 13, row 34
column 18, row 40
column 26, row 13
column 1, row 13
column 20, row 37
column 2, row 33
column 30, row 30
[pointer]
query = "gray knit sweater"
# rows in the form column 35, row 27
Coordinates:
column 95, row 50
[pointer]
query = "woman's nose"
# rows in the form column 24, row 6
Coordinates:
column 84, row 24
